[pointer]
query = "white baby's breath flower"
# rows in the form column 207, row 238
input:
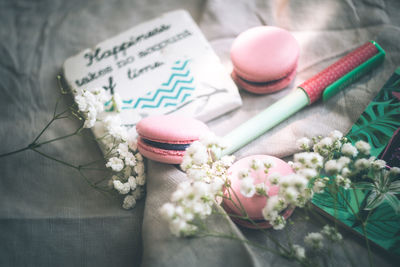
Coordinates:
column 139, row 168
column 332, row 167
column 141, row 179
column 81, row 101
column 167, row 210
column 198, row 153
column 274, row 204
column 279, row 223
column 269, row 163
column 123, row 150
column 227, row 161
column 331, row 233
column 323, row 146
column 261, row 189
column 299, row 182
column 343, row 182
column 255, row 164
column 132, row 182
column 319, row 185
column 247, row 187
column 394, row 171
column 243, row 173
column 130, row 159
column 346, row 172
column 122, row 188
column 187, row 162
column 299, row 252
column 314, row 240
column 132, row 143
column 177, row 195
column 378, row 164
column 91, row 116
column 139, row 157
column 362, row 164
column 363, row 147
column 117, row 102
column 274, row 178
column 308, row 173
column 129, row 202
column 336, row 135
column 349, row 150
column 197, row 174
column 343, row 161
column 114, row 128
column 115, row 164
column 291, row 195
column 304, row 143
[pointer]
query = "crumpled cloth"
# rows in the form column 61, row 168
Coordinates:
column 49, row 216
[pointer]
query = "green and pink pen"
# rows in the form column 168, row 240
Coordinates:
column 323, row 85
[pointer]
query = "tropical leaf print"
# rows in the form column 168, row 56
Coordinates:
column 377, row 124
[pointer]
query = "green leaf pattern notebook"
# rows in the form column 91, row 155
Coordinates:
column 378, row 125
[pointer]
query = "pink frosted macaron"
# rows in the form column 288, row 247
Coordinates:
column 164, row 138
column 254, row 205
column 264, row 59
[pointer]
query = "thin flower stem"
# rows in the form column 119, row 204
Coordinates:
column 233, row 237
column 92, row 162
column 362, row 227
column 257, row 227
column 14, row 152
column 90, row 183
column 323, row 221
column 55, row 159
column 43, row 130
column 94, row 169
column 58, row 138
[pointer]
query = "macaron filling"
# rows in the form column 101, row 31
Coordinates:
column 266, row 82
column 166, row 146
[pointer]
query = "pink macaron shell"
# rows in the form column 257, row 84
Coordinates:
column 264, row 53
column 160, row 155
column 172, row 129
column 255, row 204
column 264, row 88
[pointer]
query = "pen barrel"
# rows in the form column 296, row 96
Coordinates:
column 315, row 86
column 267, row 119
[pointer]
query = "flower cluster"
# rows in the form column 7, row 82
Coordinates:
column 194, row 198
column 315, row 240
column 90, row 104
column 121, row 151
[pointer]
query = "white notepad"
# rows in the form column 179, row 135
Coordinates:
column 162, row 66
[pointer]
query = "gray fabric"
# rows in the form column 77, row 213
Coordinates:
column 49, row 216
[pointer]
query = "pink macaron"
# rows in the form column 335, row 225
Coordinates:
column 253, row 205
column 164, row 138
column 264, row 59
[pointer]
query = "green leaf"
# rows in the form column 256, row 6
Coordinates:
column 377, row 124
column 374, row 200
column 393, row 201
column 364, row 186
column 395, row 187
column 383, row 226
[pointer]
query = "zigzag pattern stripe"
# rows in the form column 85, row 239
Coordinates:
column 161, row 90
column 182, row 67
column 169, row 97
column 170, row 93
column 175, row 75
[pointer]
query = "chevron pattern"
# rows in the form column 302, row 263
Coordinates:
column 176, row 90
